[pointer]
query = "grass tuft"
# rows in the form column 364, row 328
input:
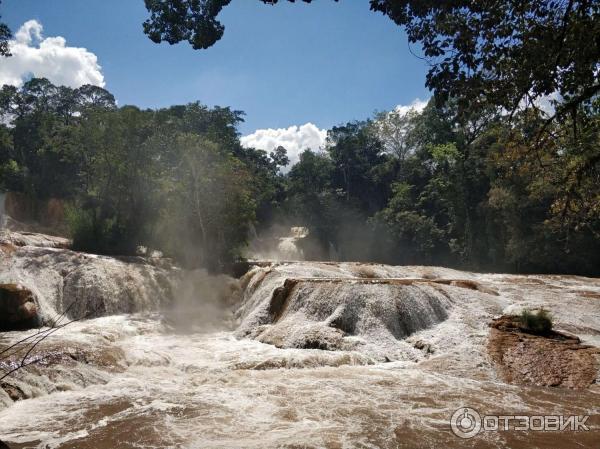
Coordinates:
column 537, row 323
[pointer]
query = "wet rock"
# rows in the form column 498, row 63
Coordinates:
column 312, row 336
column 18, row 309
column 425, row 347
column 337, row 311
column 22, row 238
column 467, row 283
column 552, row 360
column 55, row 365
column 83, row 285
column 14, row 392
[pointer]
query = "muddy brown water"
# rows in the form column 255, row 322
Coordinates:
column 187, row 391
column 132, row 381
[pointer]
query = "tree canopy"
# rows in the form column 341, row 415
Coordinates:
column 398, row 188
column 505, row 54
column 175, row 178
column 5, row 35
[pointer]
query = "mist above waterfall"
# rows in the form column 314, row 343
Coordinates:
column 282, row 241
column 202, row 302
column 352, row 239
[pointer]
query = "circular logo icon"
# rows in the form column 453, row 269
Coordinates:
column 465, row 422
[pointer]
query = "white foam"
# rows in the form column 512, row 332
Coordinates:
column 210, row 389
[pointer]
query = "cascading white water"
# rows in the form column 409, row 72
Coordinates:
column 138, row 381
column 278, row 244
column 87, row 285
column 211, row 390
column 330, row 307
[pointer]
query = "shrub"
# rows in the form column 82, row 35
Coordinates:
column 96, row 234
column 538, row 323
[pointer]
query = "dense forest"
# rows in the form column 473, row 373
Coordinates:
column 501, row 170
column 488, row 193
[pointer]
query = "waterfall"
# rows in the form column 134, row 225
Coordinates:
column 277, row 244
column 88, row 285
column 359, row 355
column 341, row 307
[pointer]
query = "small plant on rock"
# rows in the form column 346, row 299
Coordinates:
column 537, row 323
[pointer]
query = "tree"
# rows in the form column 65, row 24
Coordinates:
column 354, row 152
column 312, row 201
column 5, row 36
column 392, row 129
column 89, row 96
column 544, row 203
column 501, row 53
column 43, row 117
column 116, row 181
column 210, row 206
column 414, row 232
column 279, row 156
column 194, row 21
column 505, row 53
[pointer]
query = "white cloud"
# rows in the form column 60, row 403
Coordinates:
column 546, row 103
column 392, row 127
column 295, row 139
column 417, row 105
column 50, row 57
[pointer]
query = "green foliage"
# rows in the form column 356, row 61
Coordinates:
column 471, row 196
column 446, row 153
column 43, row 119
column 413, row 231
column 176, row 20
column 92, row 232
column 502, row 53
column 415, row 188
column 194, row 21
column 210, row 204
column 5, row 35
column 537, row 323
column 10, row 175
column 175, row 179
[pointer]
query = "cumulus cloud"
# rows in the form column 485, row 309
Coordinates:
column 295, row 139
column 417, row 105
column 48, row 57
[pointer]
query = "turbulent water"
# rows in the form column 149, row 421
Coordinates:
column 80, row 284
column 143, row 380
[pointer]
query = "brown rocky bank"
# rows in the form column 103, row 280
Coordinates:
column 556, row 359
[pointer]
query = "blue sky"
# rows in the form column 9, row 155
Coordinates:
column 324, row 63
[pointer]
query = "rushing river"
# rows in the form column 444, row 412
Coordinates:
column 211, row 390
column 311, row 355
